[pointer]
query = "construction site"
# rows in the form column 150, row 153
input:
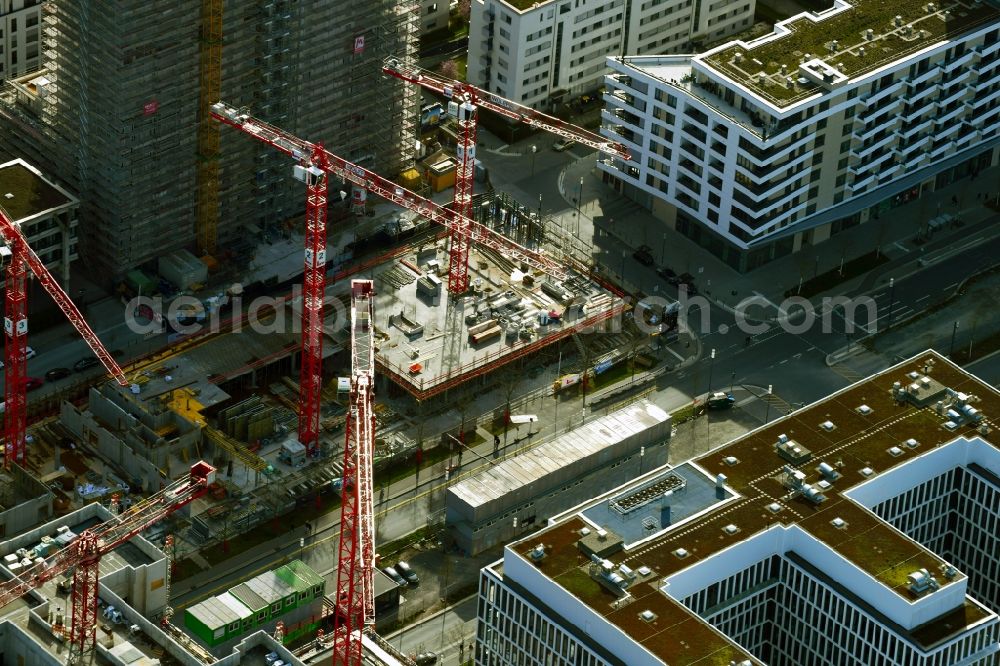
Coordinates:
column 254, row 417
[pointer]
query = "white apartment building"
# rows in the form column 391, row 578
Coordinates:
column 757, row 149
column 869, row 538
column 20, row 30
column 540, row 52
column 433, row 15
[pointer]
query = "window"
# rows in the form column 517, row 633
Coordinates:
column 290, row 601
column 432, row 8
column 235, row 626
column 276, row 608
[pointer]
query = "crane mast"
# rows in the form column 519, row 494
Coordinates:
column 356, row 562
column 84, row 553
column 21, row 259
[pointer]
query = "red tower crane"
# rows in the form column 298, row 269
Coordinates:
column 21, row 258
column 83, row 554
column 467, row 98
column 355, row 595
column 356, row 563
column 314, row 164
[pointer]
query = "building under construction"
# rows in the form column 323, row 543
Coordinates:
column 114, row 113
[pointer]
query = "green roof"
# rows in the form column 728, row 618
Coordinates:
column 300, row 575
column 30, row 194
column 919, row 27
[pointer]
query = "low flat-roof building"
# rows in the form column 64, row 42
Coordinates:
column 879, row 548
column 522, row 492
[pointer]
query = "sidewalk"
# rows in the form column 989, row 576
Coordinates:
column 608, row 212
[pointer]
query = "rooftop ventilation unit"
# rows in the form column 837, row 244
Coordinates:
column 839, row 523
column 537, row 553
column 647, row 615
column 828, row 472
column 921, row 581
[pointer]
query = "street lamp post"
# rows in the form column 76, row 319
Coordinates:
column 579, row 205
column 892, row 284
column 663, row 251
column 767, row 411
column 954, row 331
column 642, row 454
column 711, row 363
column 534, row 149
column 624, row 254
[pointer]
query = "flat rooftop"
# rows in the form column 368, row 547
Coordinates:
column 638, row 512
column 861, row 445
column 419, row 348
column 838, row 37
column 515, row 475
column 24, row 192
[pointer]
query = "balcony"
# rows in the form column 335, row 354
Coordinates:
column 958, row 62
column 864, row 135
column 874, row 99
column 953, row 97
column 968, row 134
column 908, row 134
column 984, row 50
column 857, row 185
column 979, row 101
column 923, row 92
column 916, row 147
column 947, row 131
column 941, row 150
column 988, row 81
column 923, row 78
column 961, row 77
column 950, row 116
column 865, row 152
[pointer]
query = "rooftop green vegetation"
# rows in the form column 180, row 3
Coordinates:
column 523, row 5
column 855, row 54
column 30, row 194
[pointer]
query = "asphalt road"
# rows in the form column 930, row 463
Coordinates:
column 790, row 358
column 451, row 628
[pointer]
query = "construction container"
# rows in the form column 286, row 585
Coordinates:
column 182, row 268
column 429, row 286
column 140, row 283
column 292, row 453
column 218, row 619
column 440, row 172
column 410, row 179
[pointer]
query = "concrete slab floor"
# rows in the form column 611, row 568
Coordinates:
column 418, row 349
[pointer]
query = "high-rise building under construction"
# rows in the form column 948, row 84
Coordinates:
column 114, row 110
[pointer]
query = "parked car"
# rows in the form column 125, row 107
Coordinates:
column 720, row 400
column 666, row 273
column 57, row 373
column 407, row 572
column 563, row 144
column 426, row 659
column 86, row 363
column 32, row 383
column 394, row 575
column 30, row 353
column 643, row 255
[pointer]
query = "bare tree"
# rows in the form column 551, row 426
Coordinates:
column 449, row 68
